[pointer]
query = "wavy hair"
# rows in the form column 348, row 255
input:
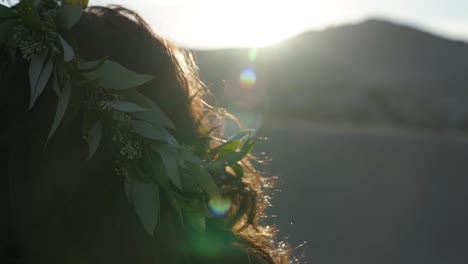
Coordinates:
column 82, row 217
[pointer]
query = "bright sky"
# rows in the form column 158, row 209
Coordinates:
column 247, row 23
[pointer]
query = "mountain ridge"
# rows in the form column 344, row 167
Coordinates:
column 373, row 72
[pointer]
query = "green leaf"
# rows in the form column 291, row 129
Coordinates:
column 170, row 157
column 133, row 96
column 238, row 170
column 69, row 15
column 163, row 183
column 230, row 155
column 39, row 74
column 155, row 116
column 68, row 52
column 90, row 66
column 29, row 15
column 242, row 134
column 126, row 106
column 5, row 29
column 145, row 199
column 7, row 12
column 203, row 179
column 62, row 105
column 175, row 204
column 89, row 120
column 188, row 156
column 230, row 146
column 35, row 69
column 94, row 138
column 150, row 131
column 234, row 157
column 114, row 76
column 233, row 144
column 231, row 158
column 132, row 101
column 56, row 85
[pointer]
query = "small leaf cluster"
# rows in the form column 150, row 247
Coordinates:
column 32, row 42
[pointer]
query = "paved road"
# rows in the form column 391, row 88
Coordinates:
column 370, row 197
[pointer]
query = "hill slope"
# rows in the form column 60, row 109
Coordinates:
column 372, row 72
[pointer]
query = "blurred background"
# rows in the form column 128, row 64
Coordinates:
column 364, row 104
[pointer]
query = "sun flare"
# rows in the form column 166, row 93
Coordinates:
column 253, row 23
column 210, row 24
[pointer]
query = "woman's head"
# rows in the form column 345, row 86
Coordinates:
column 74, row 210
column 123, row 36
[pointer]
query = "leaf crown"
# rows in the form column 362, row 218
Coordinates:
column 39, row 32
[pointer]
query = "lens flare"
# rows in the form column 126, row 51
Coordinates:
column 219, row 206
column 253, row 53
column 248, row 78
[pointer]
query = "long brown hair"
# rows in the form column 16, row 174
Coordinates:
column 76, row 211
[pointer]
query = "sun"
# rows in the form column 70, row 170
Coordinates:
column 208, row 24
column 252, row 23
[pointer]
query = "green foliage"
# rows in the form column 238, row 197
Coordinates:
column 113, row 76
column 126, row 106
column 89, row 120
column 135, row 97
column 170, row 157
column 94, row 135
column 30, row 15
column 40, row 37
column 232, row 151
column 203, row 178
column 150, row 131
column 56, row 85
column 90, row 66
column 146, row 153
column 68, row 52
column 145, row 199
column 40, row 70
column 151, row 161
column 154, row 116
column 131, row 101
column 62, row 106
column 239, row 172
